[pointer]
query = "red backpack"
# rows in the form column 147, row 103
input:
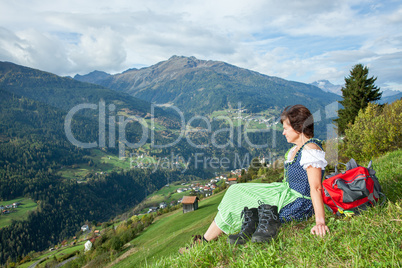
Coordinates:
column 354, row 190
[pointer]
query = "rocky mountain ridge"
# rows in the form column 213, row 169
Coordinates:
column 327, row 86
column 201, row 87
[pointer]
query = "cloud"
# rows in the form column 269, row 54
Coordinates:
column 34, row 49
column 98, row 48
column 297, row 40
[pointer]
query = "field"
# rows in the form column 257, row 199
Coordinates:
column 47, row 258
column 102, row 162
column 20, row 213
column 170, row 232
column 251, row 122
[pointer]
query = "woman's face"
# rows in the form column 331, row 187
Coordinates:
column 291, row 135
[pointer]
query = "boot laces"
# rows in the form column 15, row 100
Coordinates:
column 247, row 218
column 266, row 216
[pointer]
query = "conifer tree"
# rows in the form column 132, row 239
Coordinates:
column 358, row 92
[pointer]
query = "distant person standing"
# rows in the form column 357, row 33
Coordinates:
column 257, row 209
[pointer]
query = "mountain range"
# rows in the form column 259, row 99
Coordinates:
column 388, row 96
column 202, row 87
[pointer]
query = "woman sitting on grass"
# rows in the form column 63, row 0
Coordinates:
column 296, row 198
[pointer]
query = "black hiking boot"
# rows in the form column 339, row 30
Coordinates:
column 268, row 224
column 248, row 227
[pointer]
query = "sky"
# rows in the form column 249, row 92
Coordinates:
column 298, row 40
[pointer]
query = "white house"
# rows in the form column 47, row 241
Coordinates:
column 84, row 228
column 162, row 205
column 152, row 209
column 88, row 245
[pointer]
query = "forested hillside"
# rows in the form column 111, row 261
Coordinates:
column 64, row 93
column 33, row 147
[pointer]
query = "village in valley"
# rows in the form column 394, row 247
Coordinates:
column 9, row 208
column 191, row 193
column 199, row 190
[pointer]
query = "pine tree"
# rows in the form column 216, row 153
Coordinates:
column 358, row 92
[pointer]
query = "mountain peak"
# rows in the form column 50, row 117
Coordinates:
column 184, row 62
column 327, row 86
column 92, row 77
column 175, row 57
column 174, row 67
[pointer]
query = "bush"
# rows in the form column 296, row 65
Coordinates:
column 116, row 243
column 376, row 130
column 273, row 175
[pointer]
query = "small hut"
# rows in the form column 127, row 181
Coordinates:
column 231, row 181
column 190, row 203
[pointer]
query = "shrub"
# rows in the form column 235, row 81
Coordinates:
column 116, row 243
column 376, row 130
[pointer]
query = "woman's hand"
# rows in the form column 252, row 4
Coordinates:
column 320, row 229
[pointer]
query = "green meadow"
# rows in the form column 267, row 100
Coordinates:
column 17, row 214
column 170, row 232
column 100, row 161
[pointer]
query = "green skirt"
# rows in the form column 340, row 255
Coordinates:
column 243, row 195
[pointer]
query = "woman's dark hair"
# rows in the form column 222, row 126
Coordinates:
column 300, row 119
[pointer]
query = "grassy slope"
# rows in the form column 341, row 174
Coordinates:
column 371, row 239
column 170, row 232
column 49, row 255
column 20, row 213
column 162, row 195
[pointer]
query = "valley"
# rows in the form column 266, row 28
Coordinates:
column 74, row 152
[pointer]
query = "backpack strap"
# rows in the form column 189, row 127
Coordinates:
column 369, row 165
column 351, row 164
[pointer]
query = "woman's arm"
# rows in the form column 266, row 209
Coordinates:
column 314, row 179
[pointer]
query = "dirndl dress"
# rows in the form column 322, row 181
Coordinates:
column 291, row 196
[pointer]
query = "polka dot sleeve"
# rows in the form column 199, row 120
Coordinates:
column 314, row 158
